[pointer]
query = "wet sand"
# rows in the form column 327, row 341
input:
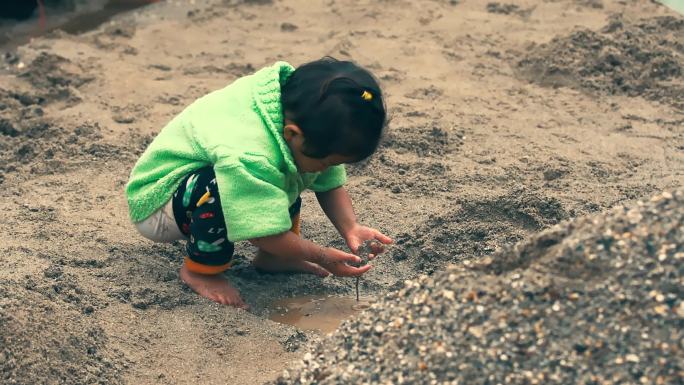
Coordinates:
column 318, row 313
column 497, row 132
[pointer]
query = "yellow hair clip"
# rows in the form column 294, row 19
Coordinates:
column 367, row 96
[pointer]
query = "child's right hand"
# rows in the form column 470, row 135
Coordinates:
column 292, row 251
column 336, row 262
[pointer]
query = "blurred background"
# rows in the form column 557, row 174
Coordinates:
column 20, row 20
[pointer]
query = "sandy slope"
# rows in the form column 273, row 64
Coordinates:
column 476, row 156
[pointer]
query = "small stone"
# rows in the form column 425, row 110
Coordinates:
column 680, row 309
column 661, row 309
column 448, row 294
column 476, row 331
column 123, row 119
column 632, row 358
column 471, row 296
column 288, row 27
column 550, row 175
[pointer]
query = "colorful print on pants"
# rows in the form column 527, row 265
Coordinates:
column 198, row 213
column 197, row 209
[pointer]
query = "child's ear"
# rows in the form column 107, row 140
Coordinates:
column 291, row 131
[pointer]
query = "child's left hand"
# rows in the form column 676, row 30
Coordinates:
column 359, row 234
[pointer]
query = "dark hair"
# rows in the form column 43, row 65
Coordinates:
column 337, row 105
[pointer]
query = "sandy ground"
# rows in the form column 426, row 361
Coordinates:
column 506, row 118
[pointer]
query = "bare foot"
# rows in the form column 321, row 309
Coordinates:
column 213, row 287
column 269, row 263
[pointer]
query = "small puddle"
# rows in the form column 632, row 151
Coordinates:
column 91, row 20
column 83, row 18
column 315, row 312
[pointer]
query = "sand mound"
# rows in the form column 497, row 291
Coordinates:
column 410, row 160
column 597, row 300
column 634, row 58
column 34, row 351
column 477, row 227
column 27, row 135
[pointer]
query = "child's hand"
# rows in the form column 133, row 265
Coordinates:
column 359, row 234
column 336, row 262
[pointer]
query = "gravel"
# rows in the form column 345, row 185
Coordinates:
column 595, row 300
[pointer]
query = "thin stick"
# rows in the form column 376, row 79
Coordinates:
column 363, row 251
column 41, row 15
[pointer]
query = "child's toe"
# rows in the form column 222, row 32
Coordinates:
column 238, row 303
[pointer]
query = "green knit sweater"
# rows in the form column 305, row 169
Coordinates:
column 238, row 130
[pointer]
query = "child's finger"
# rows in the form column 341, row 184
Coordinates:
column 377, row 248
column 333, row 256
column 315, row 269
column 354, row 245
column 349, row 258
column 350, row 271
column 339, row 256
column 383, row 238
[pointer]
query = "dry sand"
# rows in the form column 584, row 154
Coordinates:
column 506, row 118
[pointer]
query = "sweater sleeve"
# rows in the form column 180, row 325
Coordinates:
column 253, row 198
column 329, row 179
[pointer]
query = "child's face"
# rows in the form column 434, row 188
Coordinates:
column 295, row 140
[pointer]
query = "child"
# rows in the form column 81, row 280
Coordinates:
column 232, row 165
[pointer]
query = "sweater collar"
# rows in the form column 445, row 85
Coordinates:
column 266, row 95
